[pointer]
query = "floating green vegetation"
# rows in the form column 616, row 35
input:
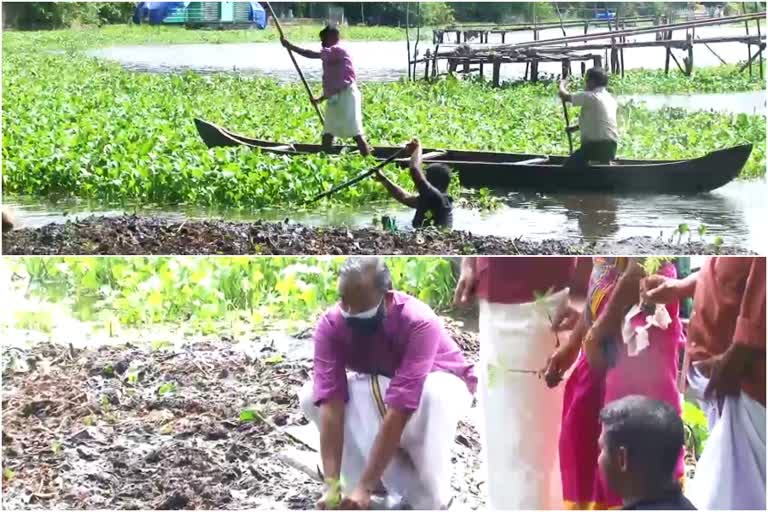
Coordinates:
column 206, row 293
column 77, row 126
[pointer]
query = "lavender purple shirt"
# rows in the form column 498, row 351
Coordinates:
column 338, row 73
column 411, row 344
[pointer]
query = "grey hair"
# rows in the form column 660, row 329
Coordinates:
column 358, row 266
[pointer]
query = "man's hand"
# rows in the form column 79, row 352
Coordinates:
column 658, row 289
column 319, row 99
column 413, row 146
column 331, row 498
column 566, row 319
column 559, row 363
column 359, row 499
column 465, row 287
column 728, row 369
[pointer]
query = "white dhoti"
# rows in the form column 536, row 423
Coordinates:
column 730, row 474
column 344, row 113
column 423, row 478
column 521, row 415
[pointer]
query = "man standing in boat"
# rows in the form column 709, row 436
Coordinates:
column 344, row 114
column 597, row 121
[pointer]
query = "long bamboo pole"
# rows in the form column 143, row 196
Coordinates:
column 296, row 65
column 408, row 36
column 360, row 176
column 568, row 126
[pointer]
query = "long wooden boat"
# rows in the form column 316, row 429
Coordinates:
column 540, row 173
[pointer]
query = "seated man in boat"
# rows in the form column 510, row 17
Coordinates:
column 434, row 207
column 343, row 115
column 597, row 120
column 390, row 386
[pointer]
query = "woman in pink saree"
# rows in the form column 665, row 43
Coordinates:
column 605, row 372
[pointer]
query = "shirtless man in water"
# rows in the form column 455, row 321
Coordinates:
column 433, row 205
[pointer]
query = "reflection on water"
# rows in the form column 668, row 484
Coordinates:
column 736, row 212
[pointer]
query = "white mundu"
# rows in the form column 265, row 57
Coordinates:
column 344, row 113
column 423, row 478
column 521, row 415
column 597, row 120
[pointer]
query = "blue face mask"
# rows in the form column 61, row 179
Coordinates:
column 366, row 322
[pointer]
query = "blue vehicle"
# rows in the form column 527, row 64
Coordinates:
column 605, row 15
column 218, row 14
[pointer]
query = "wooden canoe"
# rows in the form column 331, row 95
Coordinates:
column 539, row 173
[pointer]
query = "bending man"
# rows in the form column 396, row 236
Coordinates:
column 390, row 386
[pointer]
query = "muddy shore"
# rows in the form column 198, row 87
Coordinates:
column 132, row 427
column 137, row 235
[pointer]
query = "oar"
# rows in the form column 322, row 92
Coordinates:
column 568, row 127
column 296, row 65
column 359, row 177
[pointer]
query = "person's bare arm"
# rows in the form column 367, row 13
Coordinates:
column 396, row 191
column 467, row 282
column 658, row 289
column 310, row 54
column 386, row 444
column 563, row 91
column 625, row 293
column 331, row 437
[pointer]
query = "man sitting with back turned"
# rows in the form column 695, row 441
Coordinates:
column 597, row 120
column 390, row 386
column 639, row 446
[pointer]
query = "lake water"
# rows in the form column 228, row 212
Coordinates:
column 737, row 212
column 380, row 60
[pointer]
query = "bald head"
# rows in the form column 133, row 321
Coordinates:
column 363, row 281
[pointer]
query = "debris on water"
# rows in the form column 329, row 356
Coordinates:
column 135, row 235
column 73, row 437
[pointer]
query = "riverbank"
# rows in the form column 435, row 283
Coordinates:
column 203, row 426
column 134, row 235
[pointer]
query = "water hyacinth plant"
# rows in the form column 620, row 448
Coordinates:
column 78, row 126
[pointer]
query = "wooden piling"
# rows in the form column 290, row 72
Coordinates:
column 434, row 62
column 496, row 71
column 759, row 36
column 666, row 63
column 749, row 49
column 621, row 54
column 535, row 70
